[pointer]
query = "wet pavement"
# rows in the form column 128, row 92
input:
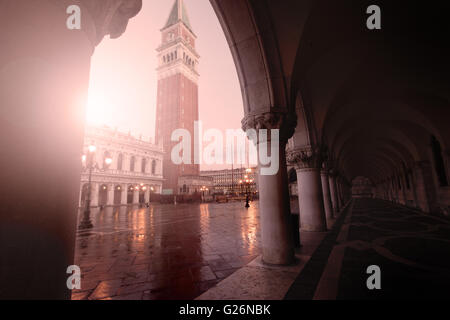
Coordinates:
column 411, row 249
column 165, row 251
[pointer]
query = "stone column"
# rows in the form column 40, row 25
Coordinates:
column 124, row 195
column 135, row 196
column 147, row 195
column 80, row 194
column 274, row 203
column 333, row 192
column 44, row 79
column 425, row 190
column 339, row 192
column 402, row 189
column 110, row 195
column 308, row 162
column 413, row 189
column 94, row 194
column 328, row 206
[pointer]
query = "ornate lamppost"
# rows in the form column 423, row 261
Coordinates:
column 89, row 159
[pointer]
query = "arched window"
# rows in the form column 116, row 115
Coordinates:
column 120, row 162
column 132, row 163
column 144, row 165
column 154, row 167
column 164, row 59
column 439, row 165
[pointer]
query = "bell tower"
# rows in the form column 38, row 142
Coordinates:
column 177, row 97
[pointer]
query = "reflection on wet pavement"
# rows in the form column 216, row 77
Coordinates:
column 165, row 251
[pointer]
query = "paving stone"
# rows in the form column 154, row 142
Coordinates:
column 174, row 245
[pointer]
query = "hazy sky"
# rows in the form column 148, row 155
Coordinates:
column 123, row 81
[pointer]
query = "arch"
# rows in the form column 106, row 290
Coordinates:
column 130, row 194
column 118, row 195
column 103, row 195
column 256, row 55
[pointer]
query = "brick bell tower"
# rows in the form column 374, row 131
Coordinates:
column 177, row 100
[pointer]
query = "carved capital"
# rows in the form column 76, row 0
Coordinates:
column 103, row 17
column 111, row 16
column 305, row 158
column 286, row 123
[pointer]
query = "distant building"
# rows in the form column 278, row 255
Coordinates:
column 228, row 181
column 189, row 185
column 134, row 172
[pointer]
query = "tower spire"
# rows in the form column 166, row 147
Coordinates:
column 178, row 14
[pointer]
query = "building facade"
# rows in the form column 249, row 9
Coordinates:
column 177, row 97
column 191, row 185
column 227, row 181
column 125, row 169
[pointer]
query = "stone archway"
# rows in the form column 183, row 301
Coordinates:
column 103, row 195
column 118, row 195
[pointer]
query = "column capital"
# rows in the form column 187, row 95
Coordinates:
column 104, row 17
column 285, row 122
column 305, row 158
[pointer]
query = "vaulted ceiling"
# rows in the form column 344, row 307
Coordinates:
column 374, row 97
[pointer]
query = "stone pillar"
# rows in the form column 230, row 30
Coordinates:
column 308, row 162
column 147, row 195
column 424, row 184
column 94, row 194
column 44, row 79
column 413, row 189
column 110, row 195
column 80, row 194
column 339, row 192
column 402, row 189
column 124, row 195
column 333, row 192
column 274, row 203
column 135, row 196
column 328, row 206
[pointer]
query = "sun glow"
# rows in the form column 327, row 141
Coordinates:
column 99, row 110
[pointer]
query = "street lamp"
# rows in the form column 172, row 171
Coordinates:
column 246, row 183
column 203, row 189
column 90, row 164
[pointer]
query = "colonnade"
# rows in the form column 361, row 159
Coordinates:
column 117, row 194
column 322, row 192
column 413, row 187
